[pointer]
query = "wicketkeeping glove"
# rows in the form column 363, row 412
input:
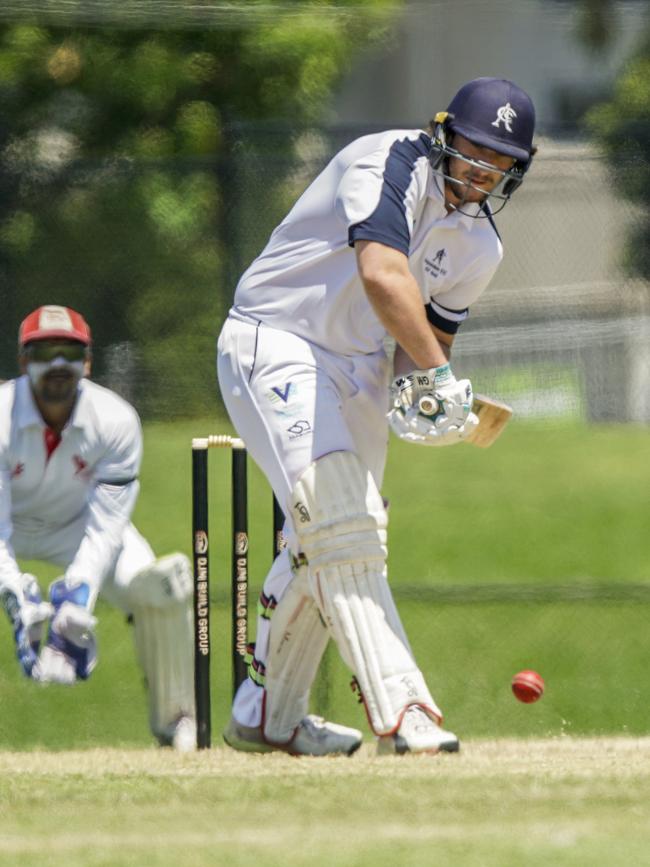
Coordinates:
column 70, row 652
column 27, row 614
column 431, row 407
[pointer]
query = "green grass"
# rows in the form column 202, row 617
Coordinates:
column 547, row 505
column 588, row 654
column 504, row 803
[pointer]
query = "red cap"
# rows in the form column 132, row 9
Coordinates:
column 54, row 321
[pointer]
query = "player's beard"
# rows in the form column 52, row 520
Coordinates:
column 465, row 191
column 55, row 382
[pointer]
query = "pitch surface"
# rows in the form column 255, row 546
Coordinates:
column 562, row 801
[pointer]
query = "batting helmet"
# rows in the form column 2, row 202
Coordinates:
column 51, row 321
column 493, row 113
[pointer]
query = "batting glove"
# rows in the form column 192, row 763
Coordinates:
column 432, row 407
column 27, row 614
column 70, row 652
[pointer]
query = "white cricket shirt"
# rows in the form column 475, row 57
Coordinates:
column 102, row 443
column 381, row 188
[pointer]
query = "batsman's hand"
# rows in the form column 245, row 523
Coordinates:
column 27, row 614
column 431, row 407
column 70, row 652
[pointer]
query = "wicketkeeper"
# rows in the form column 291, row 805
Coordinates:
column 395, row 237
column 70, row 453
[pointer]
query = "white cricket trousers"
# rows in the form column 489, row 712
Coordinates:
column 293, row 402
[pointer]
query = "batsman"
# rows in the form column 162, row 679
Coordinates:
column 395, row 237
column 70, row 453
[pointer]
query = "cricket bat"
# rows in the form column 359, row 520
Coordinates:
column 493, row 416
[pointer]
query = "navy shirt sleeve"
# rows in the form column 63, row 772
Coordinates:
column 389, row 221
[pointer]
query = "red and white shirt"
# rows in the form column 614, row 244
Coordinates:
column 48, row 484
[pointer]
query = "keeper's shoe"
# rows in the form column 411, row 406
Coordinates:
column 314, row 736
column 184, row 737
column 181, row 735
column 417, row 733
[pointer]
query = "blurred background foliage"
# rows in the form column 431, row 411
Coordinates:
column 115, row 187
column 148, row 148
column 622, row 127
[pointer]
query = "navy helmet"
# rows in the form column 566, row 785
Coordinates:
column 493, row 113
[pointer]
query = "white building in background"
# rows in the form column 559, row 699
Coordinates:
column 561, row 314
column 437, row 45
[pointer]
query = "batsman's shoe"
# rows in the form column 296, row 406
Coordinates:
column 314, row 736
column 417, row 733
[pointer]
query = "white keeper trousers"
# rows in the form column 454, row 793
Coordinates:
column 293, row 402
column 58, row 546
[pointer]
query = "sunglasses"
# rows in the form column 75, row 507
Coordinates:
column 44, row 351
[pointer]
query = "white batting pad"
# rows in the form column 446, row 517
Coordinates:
column 338, row 512
column 341, row 523
column 163, row 640
column 297, row 640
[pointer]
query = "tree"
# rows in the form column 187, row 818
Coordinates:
column 115, row 169
column 622, row 127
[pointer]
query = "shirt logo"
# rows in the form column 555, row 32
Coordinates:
column 80, row 464
column 505, row 115
column 17, row 470
column 434, row 266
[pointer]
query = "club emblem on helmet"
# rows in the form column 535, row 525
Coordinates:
column 505, row 115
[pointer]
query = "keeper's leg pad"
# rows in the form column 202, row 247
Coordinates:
column 166, row 581
column 163, row 639
column 297, row 640
column 159, row 600
column 340, row 522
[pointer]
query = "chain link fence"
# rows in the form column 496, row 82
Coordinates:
column 563, row 334
column 562, row 331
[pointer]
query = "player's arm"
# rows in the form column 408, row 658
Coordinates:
column 395, row 296
column 402, row 361
column 9, row 571
column 20, row 596
column 70, row 651
column 111, row 501
column 396, row 299
column 110, row 507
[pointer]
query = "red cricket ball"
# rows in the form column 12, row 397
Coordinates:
column 528, row 686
